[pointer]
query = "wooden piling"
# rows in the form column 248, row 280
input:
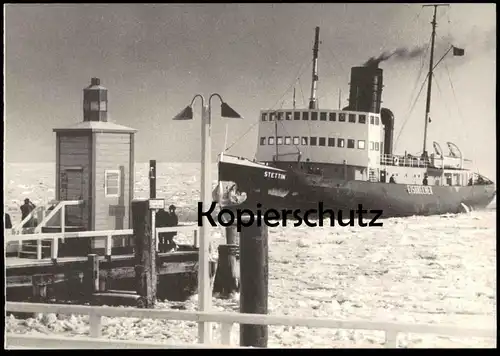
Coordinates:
column 91, row 276
column 39, row 283
column 254, row 270
column 226, row 282
column 145, row 255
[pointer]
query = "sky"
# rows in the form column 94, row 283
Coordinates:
column 153, row 59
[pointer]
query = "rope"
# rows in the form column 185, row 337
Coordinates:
column 413, row 106
column 299, row 73
column 413, row 92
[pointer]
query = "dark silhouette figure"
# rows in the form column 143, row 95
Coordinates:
column 8, row 221
column 161, row 221
column 167, row 219
column 392, row 180
column 425, row 181
column 172, row 220
column 26, row 209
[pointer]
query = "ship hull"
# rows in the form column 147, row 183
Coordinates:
column 300, row 191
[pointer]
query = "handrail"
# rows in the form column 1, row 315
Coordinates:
column 108, row 234
column 192, row 227
column 19, row 227
column 228, row 319
column 59, row 206
column 19, row 341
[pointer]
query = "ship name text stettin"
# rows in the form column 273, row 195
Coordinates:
column 274, row 175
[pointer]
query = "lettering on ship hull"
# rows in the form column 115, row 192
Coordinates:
column 419, row 189
column 274, row 175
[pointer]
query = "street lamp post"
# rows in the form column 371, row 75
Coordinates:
column 204, row 291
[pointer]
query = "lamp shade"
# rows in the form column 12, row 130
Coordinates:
column 228, row 112
column 186, row 114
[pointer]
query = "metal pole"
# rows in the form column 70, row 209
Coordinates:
column 152, row 179
column 204, row 293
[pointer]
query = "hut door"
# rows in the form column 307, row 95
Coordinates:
column 72, row 180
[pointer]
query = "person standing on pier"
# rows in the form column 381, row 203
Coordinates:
column 8, row 221
column 172, row 220
column 26, row 209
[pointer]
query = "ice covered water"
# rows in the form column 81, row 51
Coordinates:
column 438, row 269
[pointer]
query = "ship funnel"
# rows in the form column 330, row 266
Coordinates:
column 387, row 118
column 365, row 92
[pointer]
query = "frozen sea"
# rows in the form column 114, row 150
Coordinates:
column 437, row 270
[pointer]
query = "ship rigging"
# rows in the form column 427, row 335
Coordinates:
column 346, row 156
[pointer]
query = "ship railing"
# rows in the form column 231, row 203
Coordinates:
column 402, row 161
column 226, row 321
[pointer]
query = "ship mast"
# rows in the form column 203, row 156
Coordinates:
column 429, row 83
column 313, row 104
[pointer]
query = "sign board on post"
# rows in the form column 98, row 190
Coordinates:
column 155, row 204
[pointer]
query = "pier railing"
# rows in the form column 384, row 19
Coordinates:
column 108, row 234
column 60, row 207
column 226, row 320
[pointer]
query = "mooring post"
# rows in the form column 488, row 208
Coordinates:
column 226, row 278
column 91, row 275
column 145, row 269
column 254, row 270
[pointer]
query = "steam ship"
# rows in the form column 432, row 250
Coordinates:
column 344, row 158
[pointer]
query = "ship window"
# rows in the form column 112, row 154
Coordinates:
column 372, row 146
column 288, row 115
column 352, row 118
column 279, row 140
column 314, row 116
column 304, row 140
column 361, row 144
column 322, row 141
column 264, row 116
column 296, row 140
column 350, row 143
column 280, row 115
column 372, row 120
column 305, row 115
column 288, row 140
column 313, row 141
column 362, row 119
column 322, row 116
column 271, row 116
column 331, row 141
column 333, row 116
column 341, row 117
column 262, row 141
column 340, row 142
column 296, row 115
column 376, row 146
column 270, row 140
column 376, row 120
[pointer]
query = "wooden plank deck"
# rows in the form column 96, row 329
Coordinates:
column 16, row 262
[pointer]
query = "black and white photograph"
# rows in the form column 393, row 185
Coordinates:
column 250, row 175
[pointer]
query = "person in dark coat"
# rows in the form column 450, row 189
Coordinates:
column 26, row 209
column 172, row 220
column 392, row 180
column 8, row 221
column 161, row 221
column 425, row 181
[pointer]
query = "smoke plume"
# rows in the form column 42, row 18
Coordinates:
column 401, row 53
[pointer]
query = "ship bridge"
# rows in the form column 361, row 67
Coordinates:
column 331, row 137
